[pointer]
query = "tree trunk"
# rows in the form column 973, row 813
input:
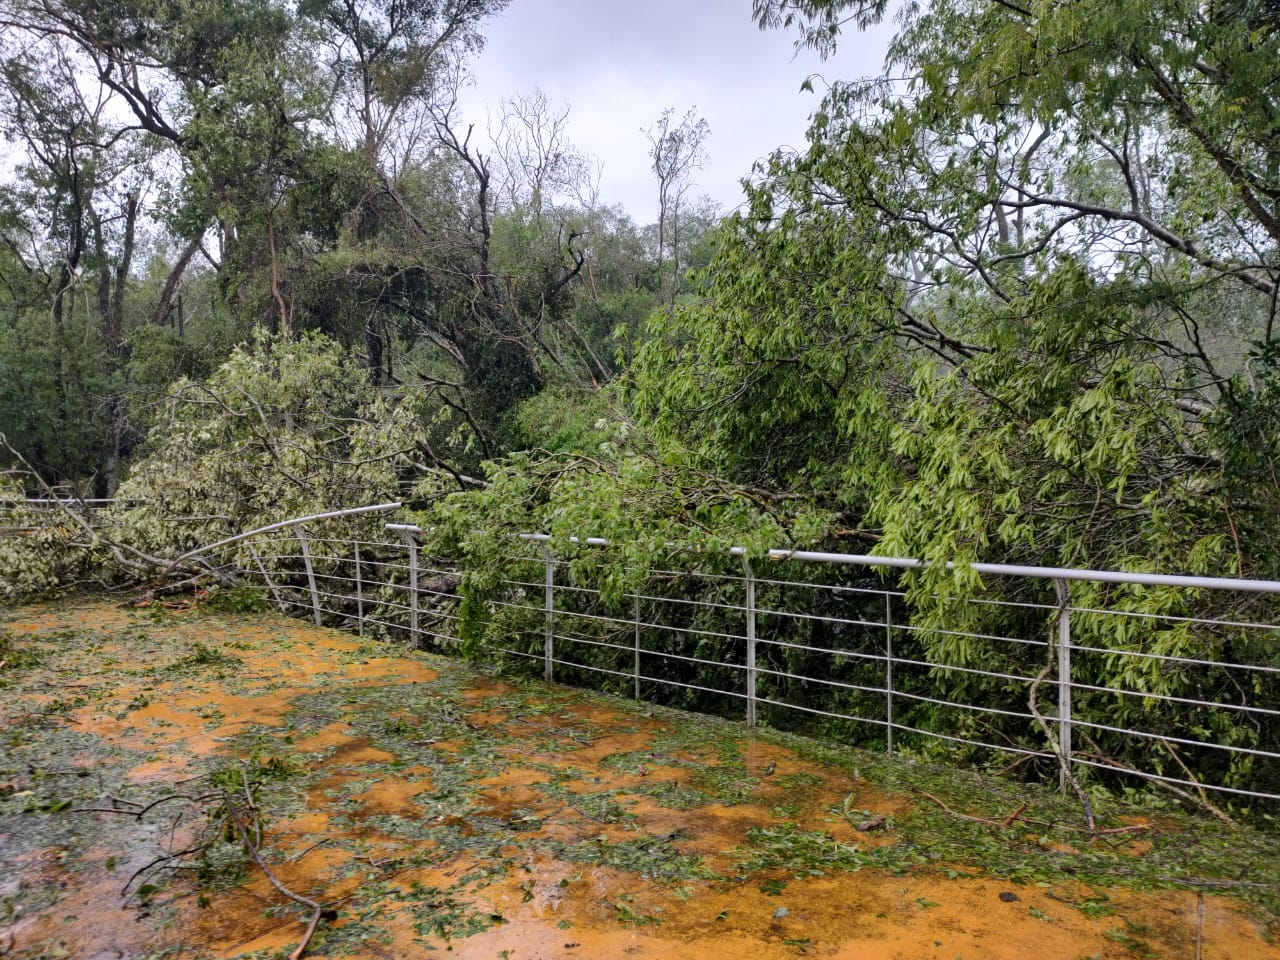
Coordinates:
column 111, row 291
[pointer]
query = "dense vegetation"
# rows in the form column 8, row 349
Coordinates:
column 1015, row 301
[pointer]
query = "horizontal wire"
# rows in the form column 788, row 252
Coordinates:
column 1195, row 784
column 1173, row 618
column 1142, row 655
column 651, row 653
column 369, row 601
column 899, row 694
column 390, row 558
column 909, row 663
column 1169, row 698
column 842, row 654
column 1167, row 738
column 905, row 728
column 915, row 628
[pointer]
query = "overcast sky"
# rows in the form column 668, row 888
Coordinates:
column 619, row 63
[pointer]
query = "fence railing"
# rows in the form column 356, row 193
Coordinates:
column 1056, row 668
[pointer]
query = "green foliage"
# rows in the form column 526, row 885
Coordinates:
column 238, row 600
column 202, row 657
column 15, row 654
column 566, row 419
column 282, row 429
column 980, row 319
column 40, row 549
column 1018, row 307
column 51, row 386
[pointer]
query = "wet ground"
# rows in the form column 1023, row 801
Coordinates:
column 436, row 808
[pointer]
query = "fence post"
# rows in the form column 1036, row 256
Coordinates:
column 311, row 573
column 1064, row 681
column 888, row 672
column 750, row 580
column 359, row 590
column 410, row 539
column 549, row 610
column 636, row 665
column 253, row 551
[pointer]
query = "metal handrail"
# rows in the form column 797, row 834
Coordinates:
column 731, row 636
column 284, row 525
column 995, row 569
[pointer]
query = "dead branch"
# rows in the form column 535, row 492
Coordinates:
column 1186, row 795
column 164, row 858
column 318, row 843
column 1017, row 815
column 168, row 590
column 318, row 910
column 1014, row 816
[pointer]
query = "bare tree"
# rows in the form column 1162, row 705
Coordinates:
column 538, row 167
column 675, row 151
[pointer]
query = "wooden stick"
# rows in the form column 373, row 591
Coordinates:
column 318, row 910
column 1015, row 815
column 1199, row 926
column 1199, row 801
column 306, row 937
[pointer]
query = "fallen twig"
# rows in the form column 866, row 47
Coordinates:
column 248, row 799
column 318, row 843
column 1186, row 795
column 310, row 932
column 579, row 810
column 1016, row 815
column 175, row 796
column 1199, row 926
column 141, row 808
column 157, row 861
column 958, row 814
column 318, row 910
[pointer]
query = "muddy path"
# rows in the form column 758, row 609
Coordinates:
column 437, row 808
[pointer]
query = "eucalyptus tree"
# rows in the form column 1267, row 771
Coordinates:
column 388, row 61
column 76, row 206
column 676, row 150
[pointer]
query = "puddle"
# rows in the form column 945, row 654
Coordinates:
column 436, row 808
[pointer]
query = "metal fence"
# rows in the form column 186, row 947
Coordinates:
column 830, row 644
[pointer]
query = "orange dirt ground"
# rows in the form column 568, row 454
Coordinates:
column 441, row 810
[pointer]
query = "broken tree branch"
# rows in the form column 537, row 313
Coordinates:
column 318, row 910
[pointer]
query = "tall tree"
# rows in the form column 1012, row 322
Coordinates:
column 1008, row 274
column 676, row 150
column 540, row 169
column 83, row 181
column 389, row 60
